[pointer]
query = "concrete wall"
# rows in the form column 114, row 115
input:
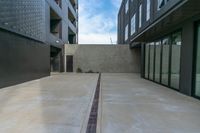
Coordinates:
column 22, row 59
column 105, row 58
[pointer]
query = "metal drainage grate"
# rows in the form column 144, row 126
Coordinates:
column 92, row 123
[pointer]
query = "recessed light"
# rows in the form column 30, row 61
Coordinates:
column 5, row 23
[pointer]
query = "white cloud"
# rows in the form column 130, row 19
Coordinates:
column 97, row 38
column 96, row 27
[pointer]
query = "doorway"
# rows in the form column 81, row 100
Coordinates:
column 55, row 62
column 69, row 64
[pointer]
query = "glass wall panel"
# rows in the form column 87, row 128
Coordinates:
column 133, row 24
column 148, row 13
column 140, row 16
column 147, row 61
column 127, row 6
column 175, row 60
column 126, row 33
column 165, row 61
column 157, row 60
column 197, row 88
column 151, row 62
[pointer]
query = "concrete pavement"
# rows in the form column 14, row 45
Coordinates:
column 57, row 104
column 130, row 104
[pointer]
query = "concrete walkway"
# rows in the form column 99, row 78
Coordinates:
column 57, row 104
column 130, row 104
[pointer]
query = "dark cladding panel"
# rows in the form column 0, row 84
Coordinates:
column 186, row 59
column 26, row 17
column 22, row 59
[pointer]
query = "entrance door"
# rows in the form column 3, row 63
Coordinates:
column 55, row 61
column 69, row 64
column 197, row 70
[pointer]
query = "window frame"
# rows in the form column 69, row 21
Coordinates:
column 161, row 60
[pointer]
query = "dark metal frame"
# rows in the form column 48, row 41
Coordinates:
column 161, row 61
column 195, row 52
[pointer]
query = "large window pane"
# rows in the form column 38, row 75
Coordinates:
column 133, row 25
column 148, row 10
column 147, row 61
column 127, row 6
column 140, row 16
column 197, row 90
column 175, row 61
column 165, row 61
column 151, row 62
column 126, row 33
column 157, row 61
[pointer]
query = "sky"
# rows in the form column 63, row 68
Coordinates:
column 98, row 21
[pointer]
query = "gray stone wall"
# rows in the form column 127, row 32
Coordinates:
column 104, row 58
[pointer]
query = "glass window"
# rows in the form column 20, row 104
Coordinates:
column 160, row 4
column 197, row 84
column 140, row 16
column 133, row 24
column 175, row 60
column 127, row 6
column 147, row 61
column 126, row 32
column 148, row 10
column 165, row 61
column 151, row 61
column 157, row 60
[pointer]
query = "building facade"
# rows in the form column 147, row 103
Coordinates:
column 168, row 34
column 32, row 37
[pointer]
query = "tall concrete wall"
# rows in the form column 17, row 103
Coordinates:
column 104, row 58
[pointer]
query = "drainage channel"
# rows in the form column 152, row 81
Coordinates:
column 92, row 123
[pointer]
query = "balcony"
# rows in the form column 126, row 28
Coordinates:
column 55, row 24
column 59, row 3
column 72, row 10
column 73, row 3
column 72, row 27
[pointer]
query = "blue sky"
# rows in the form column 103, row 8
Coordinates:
column 98, row 21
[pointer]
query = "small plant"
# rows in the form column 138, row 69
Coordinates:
column 79, row 70
column 90, row 71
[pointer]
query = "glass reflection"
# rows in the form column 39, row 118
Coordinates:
column 157, row 61
column 147, row 61
column 151, row 62
column 175, row 61
column 165, row 61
